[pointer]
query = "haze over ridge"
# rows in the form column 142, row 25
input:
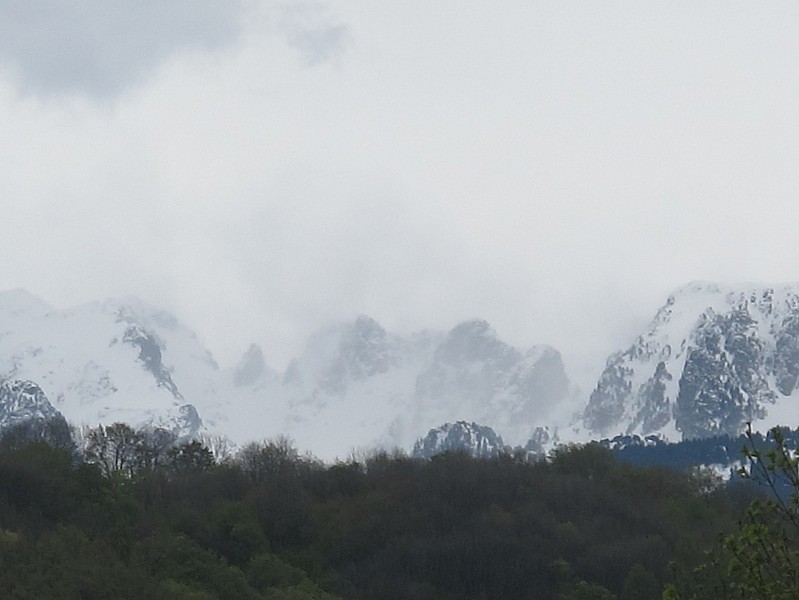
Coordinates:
column 262, row 169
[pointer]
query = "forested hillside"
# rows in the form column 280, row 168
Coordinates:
column 273, row 523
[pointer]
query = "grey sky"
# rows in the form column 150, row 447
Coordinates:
column 554, row 167
column 101, row 47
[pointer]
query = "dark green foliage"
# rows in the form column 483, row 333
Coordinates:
column 640, row 584
column 66, row 563
column 583, row 590
column 190, row 457
column 761, row 559
column 277, row 524
column 53, row 432
column 456, row 527
column 38, row 484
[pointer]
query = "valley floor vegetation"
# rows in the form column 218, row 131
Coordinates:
column 138, row 515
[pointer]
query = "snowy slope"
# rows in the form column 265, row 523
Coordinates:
column 357, row 386
column 354, row 387
column 479, row 378
column 105, row 361
column 713, row 358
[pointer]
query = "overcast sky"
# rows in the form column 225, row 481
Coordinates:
column 264, row 168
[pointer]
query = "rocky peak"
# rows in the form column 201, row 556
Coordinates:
column 251, row 367
column 724, row 379
column 472, row 341
column 26, row 416
column 712, row 359
column 24, row 400
column 364, row 350
column 474, row 375
column 476, row 440
column 541, row 441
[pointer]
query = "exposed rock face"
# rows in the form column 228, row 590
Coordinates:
column 26, row 415
column 476, row 440
column 150, row 356
column 251, row 368
column 359, row 378
column 724, row 380
column 109, row 361
column 654, row 413
column 24, row 401
column 364, row 351
column 188, row 423
column 541, row 441
column 355, row 386
column 476, row 375
column 470, row 361
column 786, row 352
column 712, row 360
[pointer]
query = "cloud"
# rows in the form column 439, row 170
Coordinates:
column 100, row 48
column 553, row 170
column 312, row 31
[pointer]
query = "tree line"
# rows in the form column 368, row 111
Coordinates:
column 133, row 513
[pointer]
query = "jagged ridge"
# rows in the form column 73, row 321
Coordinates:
column 712, row 360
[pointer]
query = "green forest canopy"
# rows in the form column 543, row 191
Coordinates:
column 273, row 523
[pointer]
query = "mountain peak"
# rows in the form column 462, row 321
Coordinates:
column 473, row 340
column 23, row 400
column 713, row 358
column 365, row 323
column 476, row 440
column 354, row 383
column 473, row 328
column 363, row 351
column 251, row 367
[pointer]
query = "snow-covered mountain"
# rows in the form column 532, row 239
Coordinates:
column 106, row 361
column 478, row 376
column 24, row 401
column 26, row 415
column 713, row 358
column 355, row 386
column 476, row 440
